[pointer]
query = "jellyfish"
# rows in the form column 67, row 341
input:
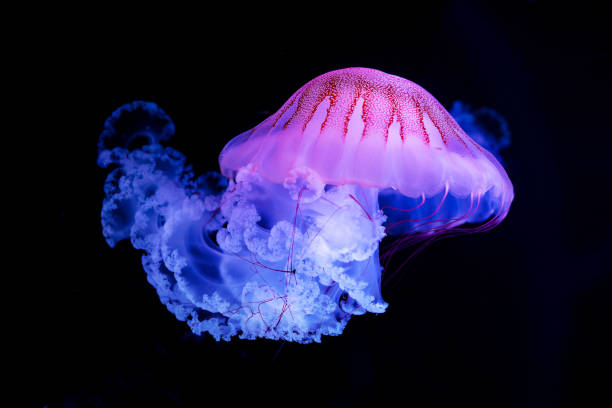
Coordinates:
column 284, row 242
column 484, row 125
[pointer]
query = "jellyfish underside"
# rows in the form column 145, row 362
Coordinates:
column 254, row 257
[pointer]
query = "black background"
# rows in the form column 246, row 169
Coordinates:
column 515, row 317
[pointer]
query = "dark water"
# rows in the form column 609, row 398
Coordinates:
column 515, row 317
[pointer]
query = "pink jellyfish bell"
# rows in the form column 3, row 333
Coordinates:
column 365, row 127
